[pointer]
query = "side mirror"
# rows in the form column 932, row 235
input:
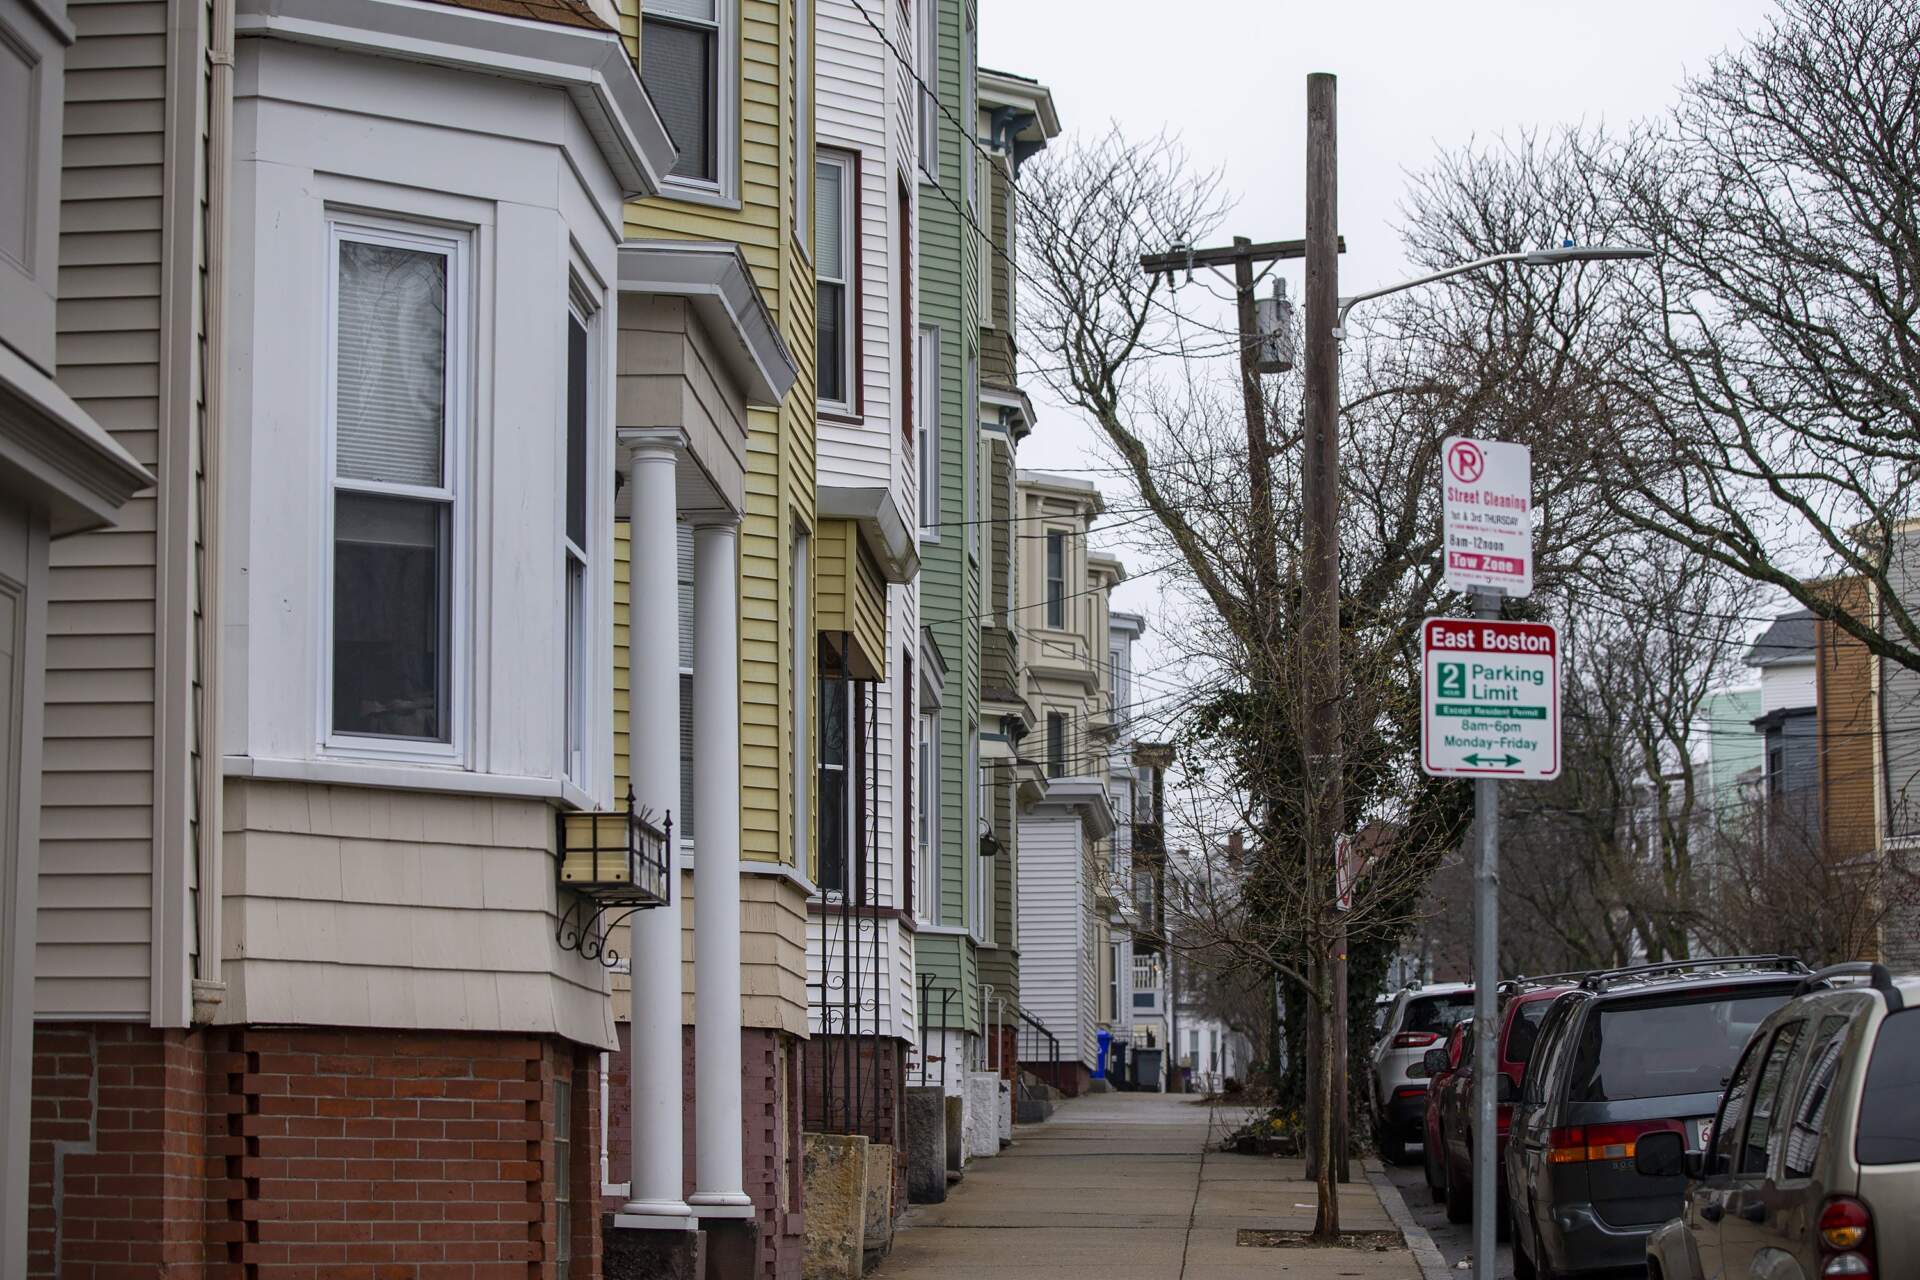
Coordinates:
column 1503, row 1088
column 1434, row 1062
column 1660, row 1155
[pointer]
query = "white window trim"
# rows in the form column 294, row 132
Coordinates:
column 805, row 16
column 926, row 906
column 724, row 191
column 926, row 21
column 457, row 247
column 849, row 279
column 584, row 307
column 981, row 921
column 970, row 454
column 1065, row 580
column 803, row 678
column 926, row 366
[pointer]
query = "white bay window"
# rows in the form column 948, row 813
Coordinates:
column 574, row 543
column 397, row 362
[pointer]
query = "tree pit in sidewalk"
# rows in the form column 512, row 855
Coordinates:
column 1367, row 1241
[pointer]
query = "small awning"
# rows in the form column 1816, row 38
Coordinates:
column 850, row 600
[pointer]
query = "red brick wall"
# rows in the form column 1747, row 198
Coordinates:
column 118, row 1147
column 296, row 1154
column 878, row 1094
column 770, row 1107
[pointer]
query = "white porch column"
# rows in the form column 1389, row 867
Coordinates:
column 718, row 1178
column 655, row 1197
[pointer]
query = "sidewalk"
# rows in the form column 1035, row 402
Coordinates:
column 1120, row 1186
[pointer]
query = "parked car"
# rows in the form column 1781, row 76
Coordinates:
column 1523, row 1006
column 1812, row 1164
column 1438, row 1067
column 1628, row 1053
column 1415, row 1021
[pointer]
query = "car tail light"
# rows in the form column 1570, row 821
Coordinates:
column 1846, row 1235
column 1409, row 1090
column 1578, row 1144
column 1414, row 1039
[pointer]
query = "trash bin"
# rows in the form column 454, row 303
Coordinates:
column 1146, row 1069
column 1105, row 1037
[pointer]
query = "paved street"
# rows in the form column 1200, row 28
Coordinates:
column 1122, row 1186
column 1455, row 1241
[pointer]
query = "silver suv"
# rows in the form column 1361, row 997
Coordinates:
column 1812, row 1166
column 1415, row 1020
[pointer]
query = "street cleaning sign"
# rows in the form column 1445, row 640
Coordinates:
column 1487, row 514
column 1489, row 699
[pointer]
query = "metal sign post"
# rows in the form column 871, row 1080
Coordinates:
column 1490, row 709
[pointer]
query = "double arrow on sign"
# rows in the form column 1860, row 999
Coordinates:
column 1477, row 759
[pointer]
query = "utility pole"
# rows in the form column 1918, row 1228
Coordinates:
column 1320, row 622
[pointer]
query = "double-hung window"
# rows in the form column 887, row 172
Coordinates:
column 803, row 109
column 398, row 334
column 970, row 442
column 927, row 24
column 926, row 364
column 578, row 659
column 1056, row 745
column 842, row 746
column 1056, row 578
column 686, row 59
column 928, row 868
column 801, row 675
column 835, row 198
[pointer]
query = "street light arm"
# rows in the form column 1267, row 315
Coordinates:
column 1352, row 300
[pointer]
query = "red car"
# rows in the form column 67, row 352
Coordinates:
column 1439, row 1065
column 1450, row 1105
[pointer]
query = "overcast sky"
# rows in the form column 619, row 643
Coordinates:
column 1229, row 77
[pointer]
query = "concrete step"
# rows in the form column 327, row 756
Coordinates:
column 1032, row 1111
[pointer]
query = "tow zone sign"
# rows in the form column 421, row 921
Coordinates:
column 1489, row 699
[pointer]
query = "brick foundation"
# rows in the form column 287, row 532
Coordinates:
column 873, row 1104
column 249, row 1154
column 770, row 1108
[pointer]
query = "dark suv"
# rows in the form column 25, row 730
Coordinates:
column 1627, row 1053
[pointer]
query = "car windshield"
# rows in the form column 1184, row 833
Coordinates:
column 1438, row 1013
column 1661, row 1048
column 1889, row 1126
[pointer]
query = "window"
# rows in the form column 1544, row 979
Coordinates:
column 1887, row 1130
column 687, row 62
column 683, row 820
column 903, row 227
column 1810, row 1109
column 926, row 363
column 397, row 365
column 835, row 185
column 979, row 869
column 970, row 443
column 1661, row 1049
column 1116, row 968
column 1056, row 578
column 843, row 748
column 969, row 109
column 1056, row 745
column 1733, row 1111
column 1117, row 674
column 927, row 28
column 928, row 868
column 803, row 109
column 802, row 678
column 578, row 657
column 1757, row 1145
column 563, row 1178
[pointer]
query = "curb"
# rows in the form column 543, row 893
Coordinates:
column 1426, row 1254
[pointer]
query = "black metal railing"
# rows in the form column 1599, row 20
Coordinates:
column 1036, row 1046
column 610, row 864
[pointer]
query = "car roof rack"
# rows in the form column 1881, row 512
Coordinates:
column 1878, row 976
column 1603, row 980
column 1520, row 982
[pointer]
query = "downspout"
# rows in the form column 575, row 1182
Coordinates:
column 209, row 988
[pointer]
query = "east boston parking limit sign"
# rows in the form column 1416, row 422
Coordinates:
column 1489, row 699
column 1486, row 514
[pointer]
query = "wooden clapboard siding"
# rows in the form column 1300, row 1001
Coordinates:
column 780, row 487
column 94, row 955
column 851, row 598
column 1056, row 920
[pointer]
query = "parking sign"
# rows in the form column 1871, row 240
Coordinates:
column 1486, row 526
column 1489, row 699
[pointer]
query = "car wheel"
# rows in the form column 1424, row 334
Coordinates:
column 1459, row 1192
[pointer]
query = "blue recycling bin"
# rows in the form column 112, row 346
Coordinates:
column 1105, row 1038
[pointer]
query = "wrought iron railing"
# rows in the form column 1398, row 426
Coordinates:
column 610, row 864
